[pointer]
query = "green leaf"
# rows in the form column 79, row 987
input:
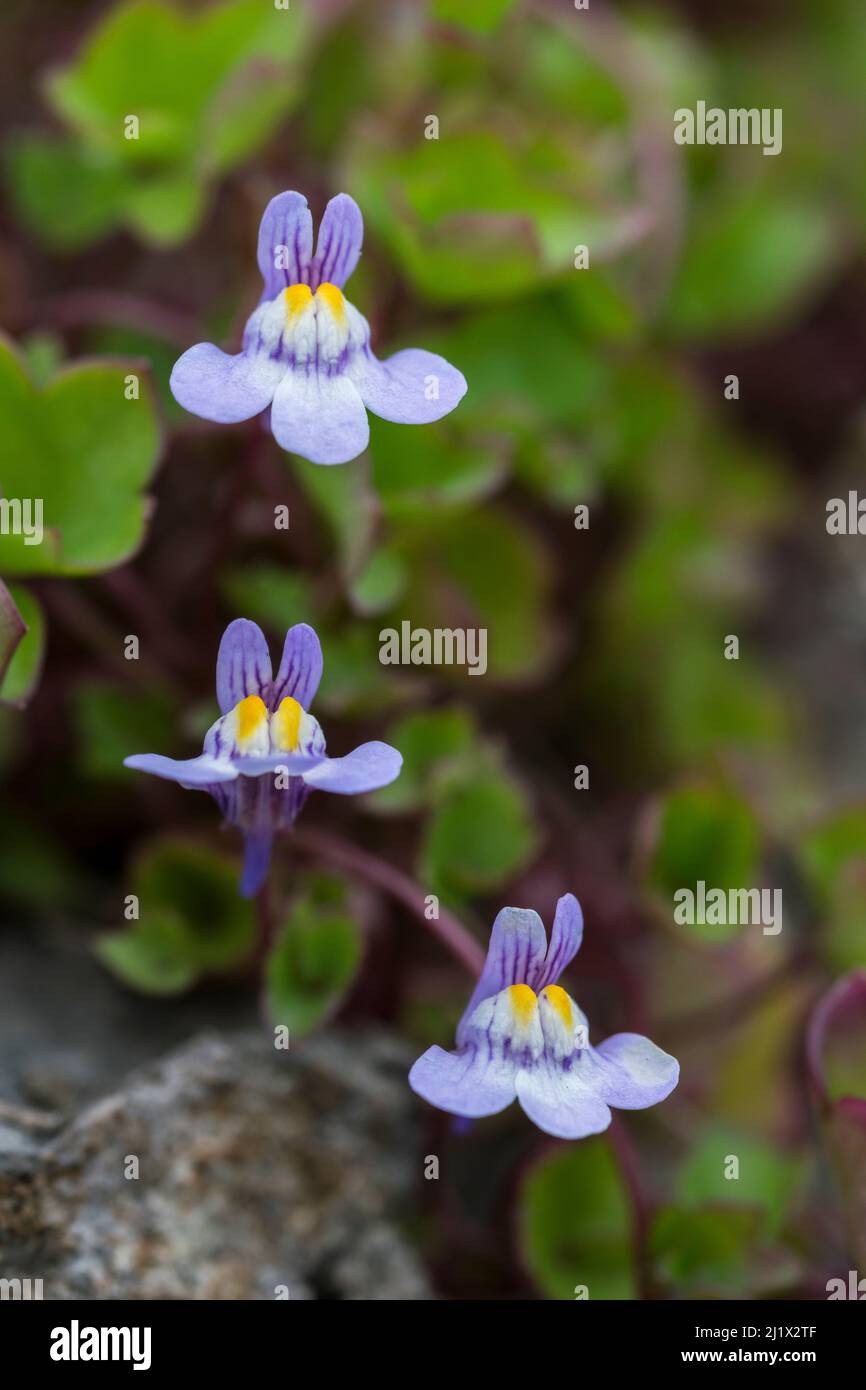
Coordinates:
column 43, row 353
column 558, row 72
column 703, row 831
column 825, row 849
column 111, row 723
column 118, row 340
column 155, row 957
column 173, row 69
column 353, row 680
column 478, row 16
column 272, row 595
column 178, row 876
column 315, row 958
column 414, row 471
column 481, row 570
column 752, row 257
column 480, row 834
column 35, row 872
column 23, row 646
column 137, row 61
column 341, row 81
column 86, row 451
column 433, row 743
column 191, row 919
column 206, row 88
column 833, row 858
column 68, row 195
column 765, row 1177
column 381, row 582
column 13, row 626
column 717, row 1252
column 342, row 497
column 483, row 215
column 248, row 112
column 506, row 355
column 575, row 1224
column 166, row 209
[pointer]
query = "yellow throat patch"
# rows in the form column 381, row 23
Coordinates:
column 286, row 725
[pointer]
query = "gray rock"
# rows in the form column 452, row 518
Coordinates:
column 69, row 1032
column 258, row 1168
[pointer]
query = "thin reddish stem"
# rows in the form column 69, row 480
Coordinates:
column 344, row 855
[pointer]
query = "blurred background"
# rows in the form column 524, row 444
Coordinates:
column 603, row 387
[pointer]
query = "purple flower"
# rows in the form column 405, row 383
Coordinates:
column 306, row 350
column 265, row 753
column 522, row 1036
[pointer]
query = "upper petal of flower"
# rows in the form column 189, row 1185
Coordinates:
column 300, row 668
column 243, row 664
column 517, row 946
column 368, row 767
column 224, row 388
column 285, row 242
column 565, row 939
column 202, row 771
column 631, row 1073
column 338, row 248
column 413, row 387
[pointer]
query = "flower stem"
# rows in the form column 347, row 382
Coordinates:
column 344, row 855
column 265, row 921
column 629, row 1168
column 89, row 306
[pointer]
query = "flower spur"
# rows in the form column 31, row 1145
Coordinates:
column 523, row 1037
column 306, row 349
column 266, row 753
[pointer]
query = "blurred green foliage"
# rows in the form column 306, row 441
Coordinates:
column 22, row 643
column 190, row 920
column 81, row 447
column 205, row 88
column 86, row 445
column 833, row 857
column 108, row 723
column 764, row 1176
column 486, row 141
column 718, row 1253
column 702, row 832
column 575, row 1224
column 724, row 1236
column 315, row 957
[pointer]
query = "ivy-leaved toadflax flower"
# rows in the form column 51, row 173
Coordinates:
column 522, row 1037
column 266, row 753
column 306, row 349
